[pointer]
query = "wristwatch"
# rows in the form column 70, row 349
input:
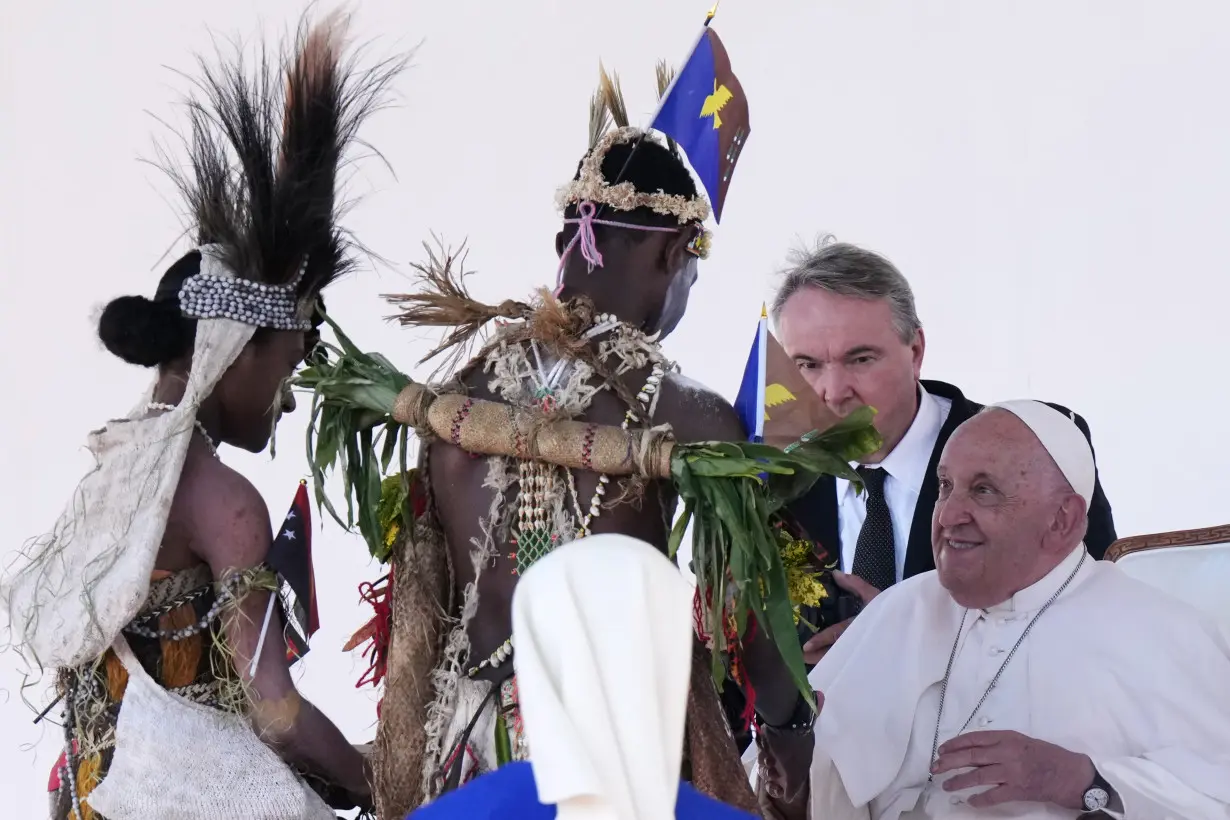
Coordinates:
column 801, row 722
column 1097, row 796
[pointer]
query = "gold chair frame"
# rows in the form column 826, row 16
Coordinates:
column 1161, row 540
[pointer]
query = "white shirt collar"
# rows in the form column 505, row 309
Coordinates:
column 1033, row 597
column 907, row 462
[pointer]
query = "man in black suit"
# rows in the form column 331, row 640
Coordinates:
column 846, row 316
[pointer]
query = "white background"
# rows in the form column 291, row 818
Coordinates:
column 1051, row 176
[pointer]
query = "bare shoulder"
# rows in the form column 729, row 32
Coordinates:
column 697, row 412
column 227, row 517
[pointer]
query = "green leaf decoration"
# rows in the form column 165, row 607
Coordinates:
column 732, row 493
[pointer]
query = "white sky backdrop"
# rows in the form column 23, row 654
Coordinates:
column 1051, row 177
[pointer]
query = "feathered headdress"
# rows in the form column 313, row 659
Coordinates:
column 591, row 190
column 264, row 154
column 261, row 185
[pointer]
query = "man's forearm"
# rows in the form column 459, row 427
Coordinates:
column 777, row 695
column 784, row 728
column 785, row 772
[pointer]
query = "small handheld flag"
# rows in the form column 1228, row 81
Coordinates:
column 705, row 111
column 775, row 403
column 290, row 556
column 750, row 403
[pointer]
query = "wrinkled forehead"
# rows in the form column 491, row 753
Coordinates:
column 817, row 318
column 993, row 442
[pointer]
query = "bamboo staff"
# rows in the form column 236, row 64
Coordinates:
column 498, row 429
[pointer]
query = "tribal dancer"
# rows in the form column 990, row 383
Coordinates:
column 579, row 412
column 151, row 597
column 629, row 253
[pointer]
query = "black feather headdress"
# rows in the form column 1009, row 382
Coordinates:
column 265, row 150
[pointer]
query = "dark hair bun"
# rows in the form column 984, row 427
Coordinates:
column 144, row 332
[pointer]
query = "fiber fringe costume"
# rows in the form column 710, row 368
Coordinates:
column 154, row 710
column 546, row 360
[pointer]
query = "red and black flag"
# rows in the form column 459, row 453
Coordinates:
column 290, row 557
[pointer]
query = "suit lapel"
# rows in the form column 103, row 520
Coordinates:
column 918, row 555
column 816, row 513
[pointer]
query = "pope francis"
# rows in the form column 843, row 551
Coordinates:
column 1021, row 678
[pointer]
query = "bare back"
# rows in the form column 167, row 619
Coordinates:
column 464, row 497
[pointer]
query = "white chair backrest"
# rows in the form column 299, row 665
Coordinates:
column 1198, row 573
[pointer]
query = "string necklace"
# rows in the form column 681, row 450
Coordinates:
column 935, row 743
column 209, row 442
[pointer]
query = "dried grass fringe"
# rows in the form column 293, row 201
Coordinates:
column 548, row 328
column 100, row 685
column 443, row 301
column 445, row 676
column 234, row 694
column 422, row 604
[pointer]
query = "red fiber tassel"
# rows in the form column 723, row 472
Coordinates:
column 749, row 709
column 698, row 618
column 736, row 654
column 376, row 632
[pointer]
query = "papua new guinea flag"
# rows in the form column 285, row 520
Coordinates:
column 290, row 557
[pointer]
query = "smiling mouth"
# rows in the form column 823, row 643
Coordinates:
column 961, row 546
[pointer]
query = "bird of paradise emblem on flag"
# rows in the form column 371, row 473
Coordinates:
column 775, row 402
column 705, row 111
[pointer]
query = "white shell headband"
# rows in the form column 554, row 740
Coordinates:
column 215, row 292
column 590, row 186
column 591, row 189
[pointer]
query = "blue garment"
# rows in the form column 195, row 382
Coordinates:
column 510, row 792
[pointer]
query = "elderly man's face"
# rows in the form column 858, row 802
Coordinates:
column 997, row 527
column 851, row 354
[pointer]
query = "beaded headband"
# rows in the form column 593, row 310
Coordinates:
column 217, row 293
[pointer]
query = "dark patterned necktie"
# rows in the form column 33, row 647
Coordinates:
column 875, row 559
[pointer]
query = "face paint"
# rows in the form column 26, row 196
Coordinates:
column 676, row 302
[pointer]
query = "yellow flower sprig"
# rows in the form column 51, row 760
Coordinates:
column 802, row 580
column 389, row 510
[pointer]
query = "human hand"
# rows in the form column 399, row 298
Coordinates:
column 784, row 763
column 819, row 645
column 1017, row 767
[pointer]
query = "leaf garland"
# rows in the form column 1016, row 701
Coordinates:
column 733, row 492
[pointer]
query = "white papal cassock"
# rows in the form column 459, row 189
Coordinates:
column 1114, row 669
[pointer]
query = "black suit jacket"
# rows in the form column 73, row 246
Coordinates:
column 816, row 511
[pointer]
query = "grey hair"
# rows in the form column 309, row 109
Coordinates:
column 848, row 270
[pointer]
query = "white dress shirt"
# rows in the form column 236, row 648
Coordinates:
column 906, row 466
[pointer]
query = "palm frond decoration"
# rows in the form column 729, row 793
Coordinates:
column 351, row 428
column 666, row 76
column 599, row 118
column 613, row 94
column 442, row 300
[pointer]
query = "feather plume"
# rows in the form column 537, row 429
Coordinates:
column 614, row 96
column 443, row 301
column 561, row 326
column 599, row 118
column 666, row 76
column 265, row 149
